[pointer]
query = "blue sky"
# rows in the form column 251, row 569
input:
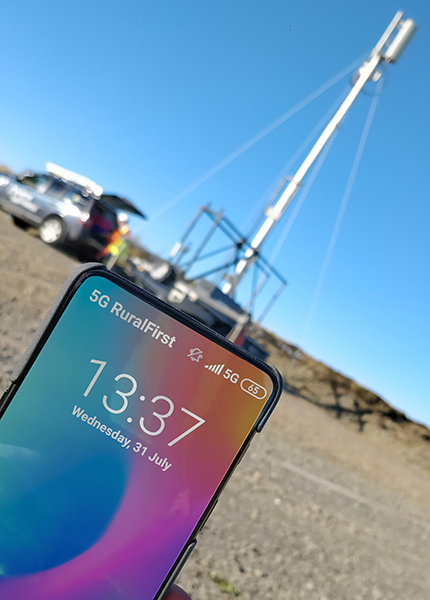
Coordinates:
column 146, row 97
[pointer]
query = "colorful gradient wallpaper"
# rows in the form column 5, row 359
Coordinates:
column 113, row 447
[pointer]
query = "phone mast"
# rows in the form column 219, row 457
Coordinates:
column 388, row 49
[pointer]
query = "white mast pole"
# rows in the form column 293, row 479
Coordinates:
column 366, row 72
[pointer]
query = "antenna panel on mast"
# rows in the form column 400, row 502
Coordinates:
column 407, row 30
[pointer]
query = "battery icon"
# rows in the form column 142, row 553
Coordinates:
column 254, row 389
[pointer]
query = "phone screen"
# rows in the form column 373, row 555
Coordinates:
column 113, row 446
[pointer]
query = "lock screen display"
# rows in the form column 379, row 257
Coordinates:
column 113, row 447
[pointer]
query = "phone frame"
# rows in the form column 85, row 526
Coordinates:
column 66, row 293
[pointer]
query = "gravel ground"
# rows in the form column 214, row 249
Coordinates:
column 316, row 510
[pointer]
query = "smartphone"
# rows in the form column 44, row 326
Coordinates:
column 122, row 424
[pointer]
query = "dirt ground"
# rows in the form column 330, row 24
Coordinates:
column 321, row 507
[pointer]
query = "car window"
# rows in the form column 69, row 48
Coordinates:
column 78, row 198
column 56, row 189
column 38, row 182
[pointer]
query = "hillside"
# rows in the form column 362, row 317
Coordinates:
column 357, row 408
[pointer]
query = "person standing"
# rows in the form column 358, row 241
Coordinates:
column 117, row 244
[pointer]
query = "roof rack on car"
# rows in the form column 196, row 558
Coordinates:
column 67, row 175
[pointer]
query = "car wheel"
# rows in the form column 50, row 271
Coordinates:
column 20, row 223
column 53, row 231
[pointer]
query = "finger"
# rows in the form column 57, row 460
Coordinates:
column 176, row 593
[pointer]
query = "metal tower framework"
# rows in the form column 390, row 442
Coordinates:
column 263, row 271
column 244, row 254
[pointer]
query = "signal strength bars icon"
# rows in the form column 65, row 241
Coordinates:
column 217, row 369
